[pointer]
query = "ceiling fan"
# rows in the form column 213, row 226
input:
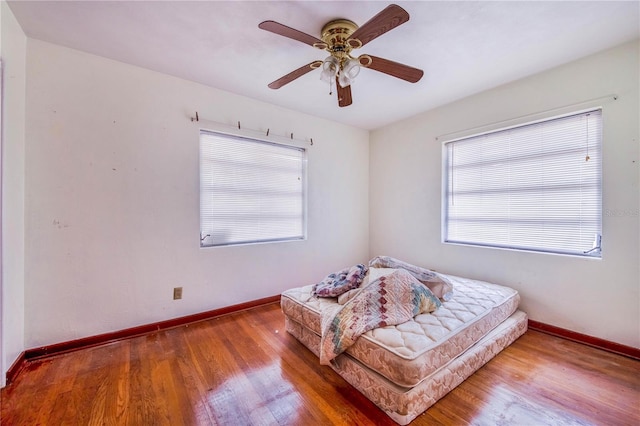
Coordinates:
column 339, row 37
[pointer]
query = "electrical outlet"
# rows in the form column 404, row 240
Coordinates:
column 177, row 293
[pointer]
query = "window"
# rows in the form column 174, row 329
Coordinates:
column 250, row 190
column 533, row 187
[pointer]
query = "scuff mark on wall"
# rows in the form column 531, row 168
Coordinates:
column 60, row 225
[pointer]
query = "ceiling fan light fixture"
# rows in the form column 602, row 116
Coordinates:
column 330, row 68
column 349, row 72
column 344, row 81
column 351, row 68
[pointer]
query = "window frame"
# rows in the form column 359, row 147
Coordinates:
column 594, row 253
column 254, row 137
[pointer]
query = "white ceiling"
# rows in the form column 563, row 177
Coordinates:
column 463, row 47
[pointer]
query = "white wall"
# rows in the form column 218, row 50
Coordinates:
column 112, row 199
column 595, row 297
column 13, row 162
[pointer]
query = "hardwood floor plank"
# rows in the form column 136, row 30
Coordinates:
column 147, row 404
column 188, row 375
column 244, row 369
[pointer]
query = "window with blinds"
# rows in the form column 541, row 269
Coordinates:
column 250, row 191
column 534, row 187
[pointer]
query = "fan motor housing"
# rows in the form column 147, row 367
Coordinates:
column 336, row 37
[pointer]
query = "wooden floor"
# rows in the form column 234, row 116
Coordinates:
column 244, row 369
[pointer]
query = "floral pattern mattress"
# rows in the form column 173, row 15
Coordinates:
column 408, row 353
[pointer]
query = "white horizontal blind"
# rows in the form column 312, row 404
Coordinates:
column 250, row 190
column 529, row 187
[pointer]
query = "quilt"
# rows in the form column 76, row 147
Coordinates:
column 390, row 300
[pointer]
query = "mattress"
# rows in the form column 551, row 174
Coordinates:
column 409, row 353
column 405, row 404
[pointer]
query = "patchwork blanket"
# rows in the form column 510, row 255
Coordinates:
column 389, row 300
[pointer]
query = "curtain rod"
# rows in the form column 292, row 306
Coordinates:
column 257, row 132
column 478, row 129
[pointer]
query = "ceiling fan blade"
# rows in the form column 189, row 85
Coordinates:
column 395, row 69
column 344, row 94
column 294, row 74
column 389, row 18
column 285, row 31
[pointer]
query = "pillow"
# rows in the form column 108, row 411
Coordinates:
column 335, row 284
column 436, row 283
